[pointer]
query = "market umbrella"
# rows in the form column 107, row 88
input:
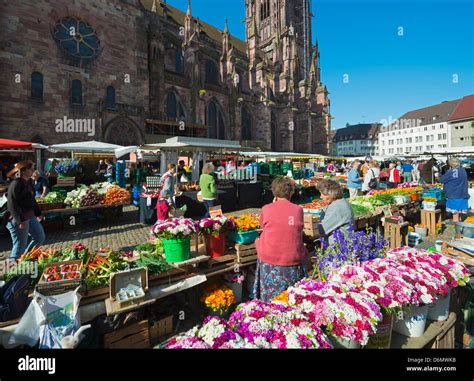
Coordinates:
column 14, row 144
column 90, row 146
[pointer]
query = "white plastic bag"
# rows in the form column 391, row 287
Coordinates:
column 48, row 319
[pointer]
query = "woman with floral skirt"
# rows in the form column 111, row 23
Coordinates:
column 280, row 249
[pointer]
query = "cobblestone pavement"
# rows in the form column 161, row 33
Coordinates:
column 125, row 233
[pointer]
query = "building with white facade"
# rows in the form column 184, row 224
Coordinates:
column 418, row 131
column 356, row 140
column 462, row 123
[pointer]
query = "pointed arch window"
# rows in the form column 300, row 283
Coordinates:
column 215, row 121
column 76, row 92
column 174, row 108
column 211, row 74
column 178, row 61
column 37, row 86
column 110, row 97
column 246, row 125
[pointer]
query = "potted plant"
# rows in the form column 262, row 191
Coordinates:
column 214, row 230
column 175, row 234
column 218, row 300
column 246, row 226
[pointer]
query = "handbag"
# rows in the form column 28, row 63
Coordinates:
column 373, row 183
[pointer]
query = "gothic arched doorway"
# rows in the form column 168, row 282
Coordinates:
column 123, row 131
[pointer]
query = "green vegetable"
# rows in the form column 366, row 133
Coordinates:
column 154, row 263
column 360, row 210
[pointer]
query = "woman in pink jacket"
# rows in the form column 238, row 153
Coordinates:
column 280, row 249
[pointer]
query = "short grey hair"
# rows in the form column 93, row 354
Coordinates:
column 208, row 168
column 454, row 162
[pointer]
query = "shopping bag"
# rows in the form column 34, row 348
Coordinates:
column 48, row 320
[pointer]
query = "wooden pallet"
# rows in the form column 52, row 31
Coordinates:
column 136, row 335
column 456, row 252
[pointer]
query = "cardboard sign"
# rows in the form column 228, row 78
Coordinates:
column 215, row 211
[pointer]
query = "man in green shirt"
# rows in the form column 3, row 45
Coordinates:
column 208, row 186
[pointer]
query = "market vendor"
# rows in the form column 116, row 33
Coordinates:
column 456, row 188
column 339, row 214
column 40, row 184
column 280, row 249
column 165, row 202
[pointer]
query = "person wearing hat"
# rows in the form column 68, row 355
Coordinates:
column 24, row 213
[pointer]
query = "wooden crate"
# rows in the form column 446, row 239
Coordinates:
column 245, row 253
column 396, row 234
column 136, row 335
column 161, row 328
column 432, row 220
column 450, row 249
column 311, row 222
column 66, row 182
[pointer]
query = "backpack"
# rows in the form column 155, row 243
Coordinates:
column 14, row 297
column 373, row 183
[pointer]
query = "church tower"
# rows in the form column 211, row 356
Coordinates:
column 284, row 71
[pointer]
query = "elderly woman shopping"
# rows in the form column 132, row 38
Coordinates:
column 280, row 249
column 456, row 188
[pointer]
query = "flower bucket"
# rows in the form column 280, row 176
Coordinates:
column 431, row 206
column 243, row 237
column 339, row 343
column 224, row 315
column 423, row 232
column 439, row 310
column 399, row 199
column 177, row 250
column 413, row 323
column 215, row 245
column 382, row 339
column 237, row 290
column 413, row 239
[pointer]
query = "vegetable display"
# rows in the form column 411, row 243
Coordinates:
column 117, row 195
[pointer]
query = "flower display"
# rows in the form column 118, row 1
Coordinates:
column 66, row 167
column 246, row 222
column 214, row 334
column 216, row 226
column 387, row 288
column 269, row 325
column 342, row 311
column 347, row 306
column 355, row 248
column 218, row 299
column 175, row 228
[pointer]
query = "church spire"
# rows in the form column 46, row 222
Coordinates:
column 188, row 21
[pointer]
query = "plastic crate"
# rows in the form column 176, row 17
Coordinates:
column 438, row 194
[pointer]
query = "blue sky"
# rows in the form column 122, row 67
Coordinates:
column 388, row 74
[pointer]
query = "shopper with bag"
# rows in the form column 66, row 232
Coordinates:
column 24, row 214
column 165, row 202
column 371, row 178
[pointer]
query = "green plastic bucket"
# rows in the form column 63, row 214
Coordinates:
column 177, row 250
